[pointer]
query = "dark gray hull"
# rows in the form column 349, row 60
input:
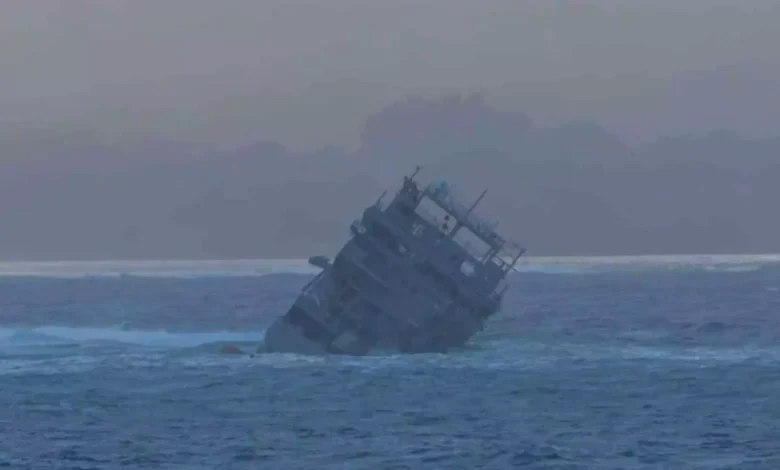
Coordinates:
column 400, row 284
column 387, row 308
column 283, row 337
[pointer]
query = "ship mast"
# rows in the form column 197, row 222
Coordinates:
column 459, row 223
column 476, row 202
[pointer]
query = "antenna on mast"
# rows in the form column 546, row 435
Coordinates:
column 460, row 223
column 476, row 202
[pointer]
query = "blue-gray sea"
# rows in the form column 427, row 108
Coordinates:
column 647, row 363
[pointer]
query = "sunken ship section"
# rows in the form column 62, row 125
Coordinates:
column 421, row 273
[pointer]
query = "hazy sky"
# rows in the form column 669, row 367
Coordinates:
column 308, row 72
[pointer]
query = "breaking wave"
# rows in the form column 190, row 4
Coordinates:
column 176, row 269
column 508, row 347
column 63, row 335
column 48, row 350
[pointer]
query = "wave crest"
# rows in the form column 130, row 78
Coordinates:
column 64, row 335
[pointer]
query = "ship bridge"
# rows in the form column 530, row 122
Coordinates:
column 443, row 207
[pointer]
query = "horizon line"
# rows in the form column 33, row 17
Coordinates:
column 305, row 259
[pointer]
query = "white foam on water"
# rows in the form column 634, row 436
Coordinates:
column 53, row 335
column 39, row 350
column 59, row 365
column 177, row 269
column 700, row 355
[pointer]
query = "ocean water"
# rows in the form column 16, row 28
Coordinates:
column 595, row 363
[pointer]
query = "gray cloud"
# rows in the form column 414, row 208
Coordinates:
column 174, row 128
column 309, row 72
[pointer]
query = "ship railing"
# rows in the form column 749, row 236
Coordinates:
column 473, row 250
column 472, row 242
column 500, row 289
column 511, row 250
column 507, row 256
column 306, row 288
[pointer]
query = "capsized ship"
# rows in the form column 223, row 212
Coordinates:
column 422, row 273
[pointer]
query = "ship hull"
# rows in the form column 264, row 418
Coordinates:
column 282, row 337
column 312, row 324
column 379, row 319
column 407, row 281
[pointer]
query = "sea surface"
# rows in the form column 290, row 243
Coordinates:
column 595, row 363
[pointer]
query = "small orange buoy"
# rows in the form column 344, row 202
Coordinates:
column 230, row 349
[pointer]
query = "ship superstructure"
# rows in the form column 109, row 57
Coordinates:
column 422, row 273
